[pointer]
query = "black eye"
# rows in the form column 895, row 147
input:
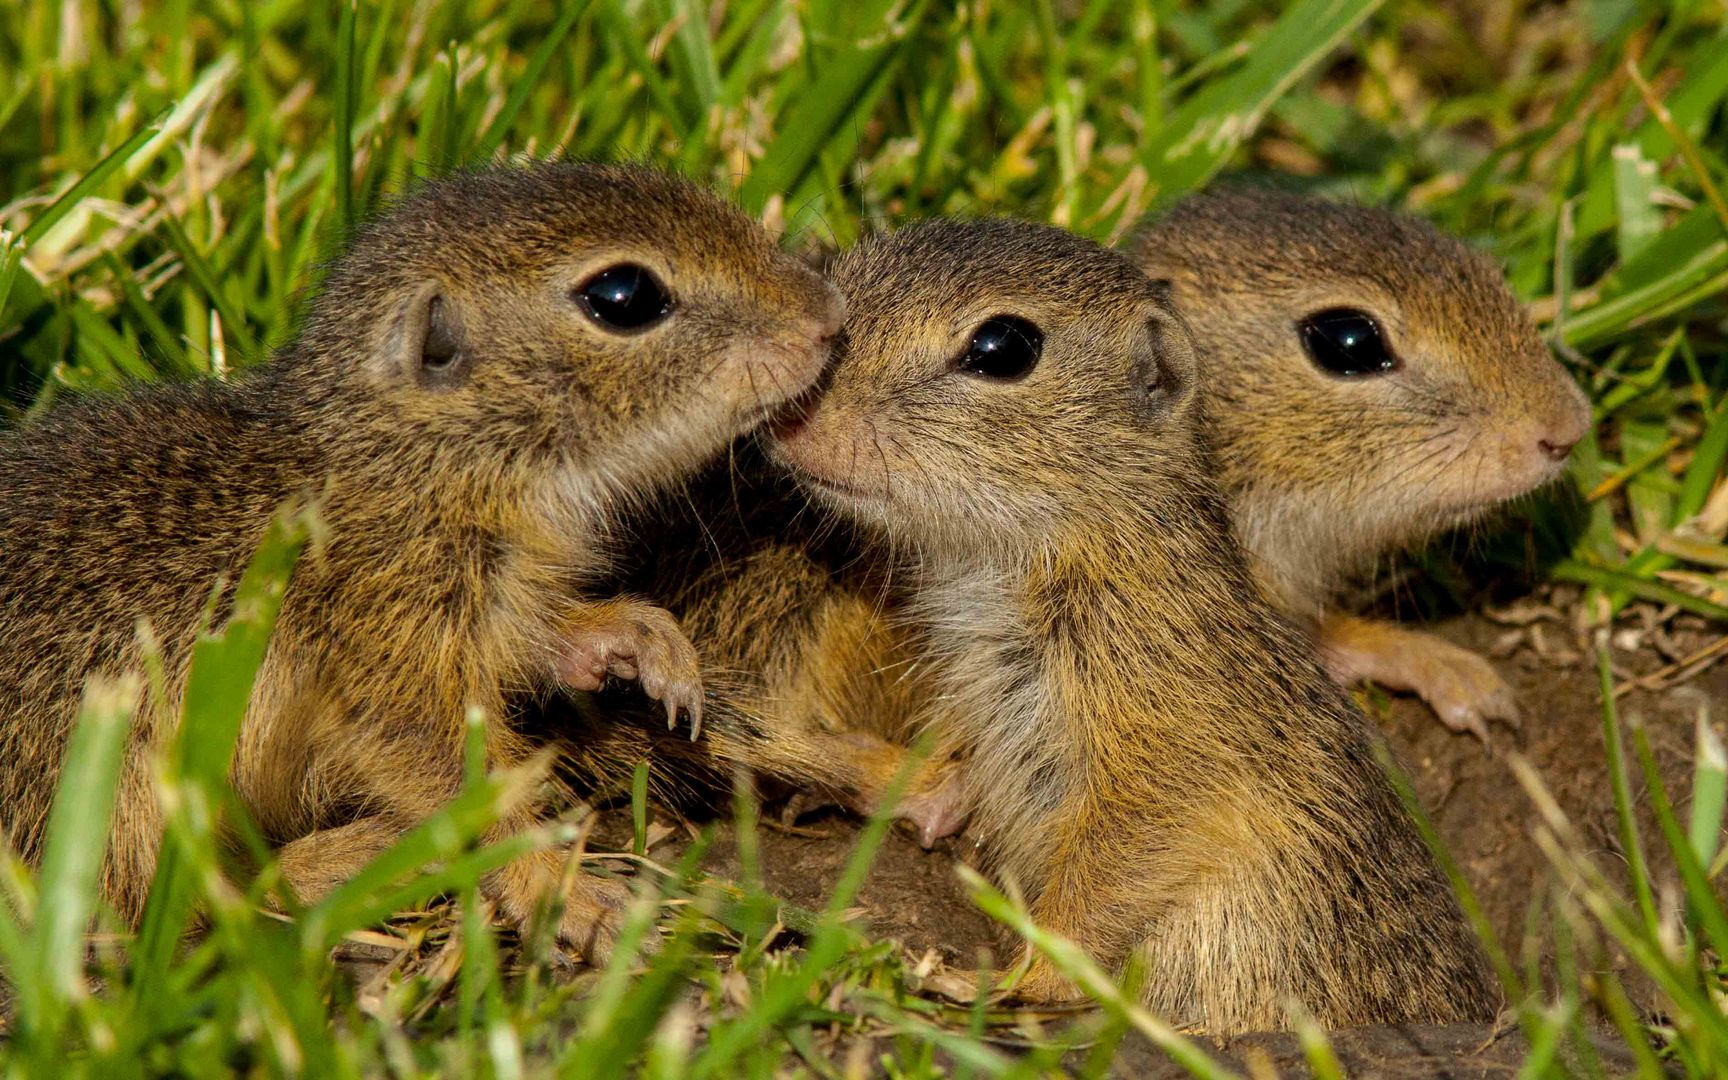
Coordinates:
column 624, row 298
column 1345, row 341
column 1004, row 347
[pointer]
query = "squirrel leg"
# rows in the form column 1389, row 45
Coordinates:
column 632, row 639
column 593, row 908
column 1461, row 687
column 315, row 864
column 935, row 799
column 318, row 861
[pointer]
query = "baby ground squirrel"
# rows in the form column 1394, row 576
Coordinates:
column 1369, row 381
column 1155, row 757
column 493, row 369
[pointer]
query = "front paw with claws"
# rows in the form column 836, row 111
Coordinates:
column 629, row 639
column 1462, row 688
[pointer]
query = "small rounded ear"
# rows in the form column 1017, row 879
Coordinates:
column 431, row 345
column 1165, row 365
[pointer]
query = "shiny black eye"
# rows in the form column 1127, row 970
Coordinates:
column 1345, row 341
column 624, row 298
column 1004, row 347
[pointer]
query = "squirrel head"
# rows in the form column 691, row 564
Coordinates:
column 995, row 381
column 618, row 322
column 1368, row 380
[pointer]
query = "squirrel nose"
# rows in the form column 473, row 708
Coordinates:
column 1556, row 448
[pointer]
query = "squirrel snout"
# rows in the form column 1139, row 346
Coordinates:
column 835, row 315
column 1567, row 425
column 1556, row 447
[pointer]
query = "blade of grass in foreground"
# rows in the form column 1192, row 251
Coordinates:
column 75, row 844
column 218, row 688
column 1631, row 845
column 1709, row 791
column 781, row 996
column 391, row 882
column 1705, row 908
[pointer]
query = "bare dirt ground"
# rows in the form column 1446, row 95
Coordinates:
column 1482, row 813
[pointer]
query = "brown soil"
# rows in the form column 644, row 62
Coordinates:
column 1482, row 813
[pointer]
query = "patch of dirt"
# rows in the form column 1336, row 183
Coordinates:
column 1482, row 813
column 1486, row 818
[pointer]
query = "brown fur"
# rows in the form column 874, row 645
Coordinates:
column 1155, row 759
column 466, row 506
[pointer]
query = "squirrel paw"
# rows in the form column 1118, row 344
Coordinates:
column 594, row 910
column 1044, row 985
column 632, row 640
column 938, row 811
column 1461, row 687
column 935, row 801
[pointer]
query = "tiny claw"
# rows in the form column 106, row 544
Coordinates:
column 1479, row 728
column 695, row 719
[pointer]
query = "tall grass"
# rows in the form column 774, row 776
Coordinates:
column 173, row 173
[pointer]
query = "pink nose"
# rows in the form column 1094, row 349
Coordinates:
column 1556, row 449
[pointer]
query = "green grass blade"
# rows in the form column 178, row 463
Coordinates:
column 1634, row 188
column 1208, row 127
column 1709, row 791
column 825, row 106
column 394, row 880
column 639, row 808
column 224, row 664
column 205, row 279
column 93, row 179
column 695, row 52
column 827, row 945
column 342, row 155
column 625, row 35
column 11, row 263
column 75, row 842
column 147, row 316
column 1584, row 574
column 1708, row 463
column 1701, row 900
column 1073, row 963
column 493, row 137
column 1510, row 982
column 1631, row 846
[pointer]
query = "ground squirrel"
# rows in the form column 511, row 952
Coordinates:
column 1155, row 756
column 491, row 372
column 1369, row 381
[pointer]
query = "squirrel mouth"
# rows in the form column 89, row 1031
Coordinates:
column 778, row 447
